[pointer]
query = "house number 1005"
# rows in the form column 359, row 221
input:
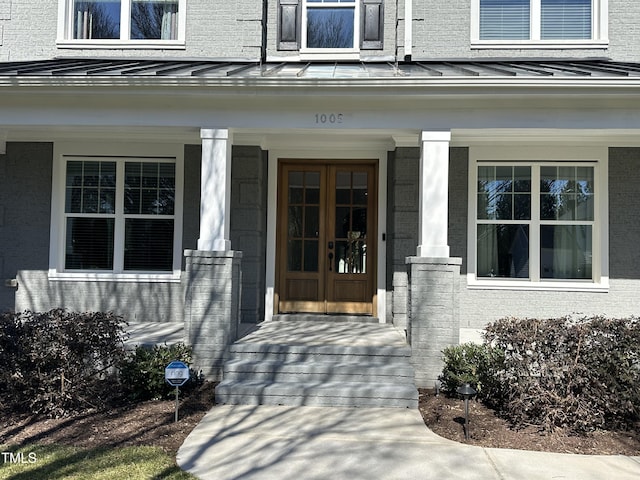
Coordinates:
column 324, row 118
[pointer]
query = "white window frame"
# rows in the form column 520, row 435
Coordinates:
column 331, row 53
column 65, row 31
column 119, row 153
column 599, row 30
column 596, row 157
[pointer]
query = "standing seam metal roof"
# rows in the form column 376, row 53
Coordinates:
column 104, row 67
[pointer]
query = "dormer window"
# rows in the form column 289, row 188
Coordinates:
column 323, row 26
column 329, row 24
column 114, row 22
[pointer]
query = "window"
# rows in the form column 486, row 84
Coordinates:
column 116, row 217
column 316, row 26
column 539, row 22
column 116, row 21
column 537, row 222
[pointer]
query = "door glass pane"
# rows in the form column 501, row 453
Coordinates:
column 360, row 184
column 296, row 187
column 343, row 188
column 303, row 222
column 351, row 222
column 295, row 222
column 310, row 255
column 312, row 187
column 294, row 255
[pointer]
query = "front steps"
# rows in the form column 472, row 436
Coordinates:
column 320, row 364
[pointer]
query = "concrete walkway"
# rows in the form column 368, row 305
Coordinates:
column 313, row 443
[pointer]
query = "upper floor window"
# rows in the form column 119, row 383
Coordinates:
column 539, row 22
column 330, row 24
column 320, row 26
column 105, row 22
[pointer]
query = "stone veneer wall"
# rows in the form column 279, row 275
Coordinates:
column 212, row 307
column 434, row 319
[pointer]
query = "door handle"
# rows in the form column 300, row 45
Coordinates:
column 330, row 260
column 330, row 246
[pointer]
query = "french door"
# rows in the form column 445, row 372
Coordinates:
column 326, row 238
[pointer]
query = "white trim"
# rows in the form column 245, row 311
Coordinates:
column 537, row 154
column 599, row 31
column 118, row 151
column 358, row 151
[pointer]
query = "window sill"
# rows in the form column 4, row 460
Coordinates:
column 333, row 55
column 539, row 44
column 122, row 45
column 115, row 277
column 557, row 286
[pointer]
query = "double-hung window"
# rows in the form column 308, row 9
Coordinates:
column 539, row 22
column 109, row 22
column 119, row 217
column 537, row 223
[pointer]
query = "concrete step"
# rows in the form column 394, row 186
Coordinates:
column 351, row 394
column 312, row 317
column 310, row 353
column 278, row 371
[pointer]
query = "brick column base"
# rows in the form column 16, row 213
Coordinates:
column 212, row 306
column 434, row 319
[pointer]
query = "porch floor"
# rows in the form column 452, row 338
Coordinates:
column 325, row 333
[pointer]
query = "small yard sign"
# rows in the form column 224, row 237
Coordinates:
column 176, row 374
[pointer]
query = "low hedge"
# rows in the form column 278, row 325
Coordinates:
column 578, row 374
column 59, row 362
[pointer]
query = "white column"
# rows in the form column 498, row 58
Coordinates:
column 215, row 190
column 434, row 195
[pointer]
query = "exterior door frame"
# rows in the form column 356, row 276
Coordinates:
column 347, row 154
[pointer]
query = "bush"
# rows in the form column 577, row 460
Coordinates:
column 470, row 363
column 578, row 374
column 59, row 362
column 142, row 372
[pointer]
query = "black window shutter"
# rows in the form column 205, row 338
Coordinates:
column 289, row 18
column 372, row 25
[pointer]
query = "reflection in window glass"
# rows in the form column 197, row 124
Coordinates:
column 503, row 251
column 565, row 251
column 96, row 19
column 154, row 20
column 330, row 27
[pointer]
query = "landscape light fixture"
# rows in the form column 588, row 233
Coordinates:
column 466, row 391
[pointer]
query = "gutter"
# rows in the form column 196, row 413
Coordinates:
column 408, row 30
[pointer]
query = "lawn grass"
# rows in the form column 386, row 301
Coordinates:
column 50, row 462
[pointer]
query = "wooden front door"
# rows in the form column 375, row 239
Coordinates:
column 326, row 238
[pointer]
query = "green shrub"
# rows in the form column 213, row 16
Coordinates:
column 577, row 374
column 142, row 372
column 59, row 362
column 469, row 363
